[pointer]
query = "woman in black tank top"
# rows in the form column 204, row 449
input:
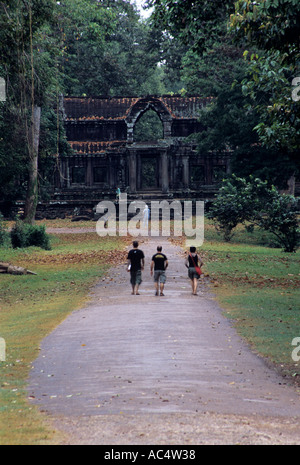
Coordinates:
column 193, row 260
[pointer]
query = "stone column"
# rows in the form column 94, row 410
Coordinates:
column 138, row 172
column 68, row 172
column 89, row 172
column 132, row 171
column 167, row 125
column 63, row 173
column 186, row 172
column 111, row 173
column 130, row 127
column 164, row 173
column 209, row 171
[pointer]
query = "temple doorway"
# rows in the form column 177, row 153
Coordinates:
column 149, row 173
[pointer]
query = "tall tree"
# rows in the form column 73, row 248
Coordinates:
column 27, row 77
column 197, row 23
column 106, row 49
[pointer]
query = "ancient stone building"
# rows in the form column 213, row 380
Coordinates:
column 106, row 157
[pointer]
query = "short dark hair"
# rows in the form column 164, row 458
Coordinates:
column 193, row 249
column 135, row 244
column 159, row 248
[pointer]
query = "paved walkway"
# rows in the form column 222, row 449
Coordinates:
column 159, row 370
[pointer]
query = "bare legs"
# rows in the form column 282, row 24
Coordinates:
column 135, row 289
column 194, row 286
column 160, row 286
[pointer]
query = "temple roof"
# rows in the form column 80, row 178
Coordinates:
column 114, row 108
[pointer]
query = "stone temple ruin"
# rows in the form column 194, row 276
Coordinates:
column 106, row 156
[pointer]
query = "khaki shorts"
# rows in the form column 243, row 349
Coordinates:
column 160, row 275
column 136, row 277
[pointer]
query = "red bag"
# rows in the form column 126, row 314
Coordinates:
column 197, row 268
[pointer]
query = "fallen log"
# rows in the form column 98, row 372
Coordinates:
column 12, row 269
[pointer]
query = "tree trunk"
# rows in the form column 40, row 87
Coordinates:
column 11, row 269
column 32, row 191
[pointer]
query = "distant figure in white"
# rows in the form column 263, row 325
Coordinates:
column 146, row 216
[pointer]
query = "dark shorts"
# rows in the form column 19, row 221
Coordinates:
column 160, row 275
column 135, row 277
column 193, row 273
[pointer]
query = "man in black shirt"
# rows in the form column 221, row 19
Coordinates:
column 136, row 263
column 159, row 263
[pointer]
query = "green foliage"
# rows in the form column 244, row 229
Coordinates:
column 279, row 216
column 172, row 67
column 256, row 203
column 25, row 235
column 231, row 206
column 228, row 121
column 269, row 86
column 271, row 24
column 13, row 161
column 81, row 27
column 197, row 23
column 273, row 27
column 25, row 43
column 106, row 49
column 148, row 127
column 4, row 235
column 214, row 71
column 27, row 54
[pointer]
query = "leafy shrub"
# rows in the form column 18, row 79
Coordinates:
column 18, row 235
column 254, row 202
column 26, row 235
column 39, row 237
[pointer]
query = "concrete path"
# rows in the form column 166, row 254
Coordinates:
column 159, row 370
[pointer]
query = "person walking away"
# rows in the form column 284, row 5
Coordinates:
column 135, row 264
column 193, row 260
column 159, row 264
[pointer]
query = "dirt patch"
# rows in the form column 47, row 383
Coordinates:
column 200, row 429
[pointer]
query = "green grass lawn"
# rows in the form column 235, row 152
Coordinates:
column 31, row 307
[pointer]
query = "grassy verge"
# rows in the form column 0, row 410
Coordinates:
column 259, row 287
column 32, row 306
